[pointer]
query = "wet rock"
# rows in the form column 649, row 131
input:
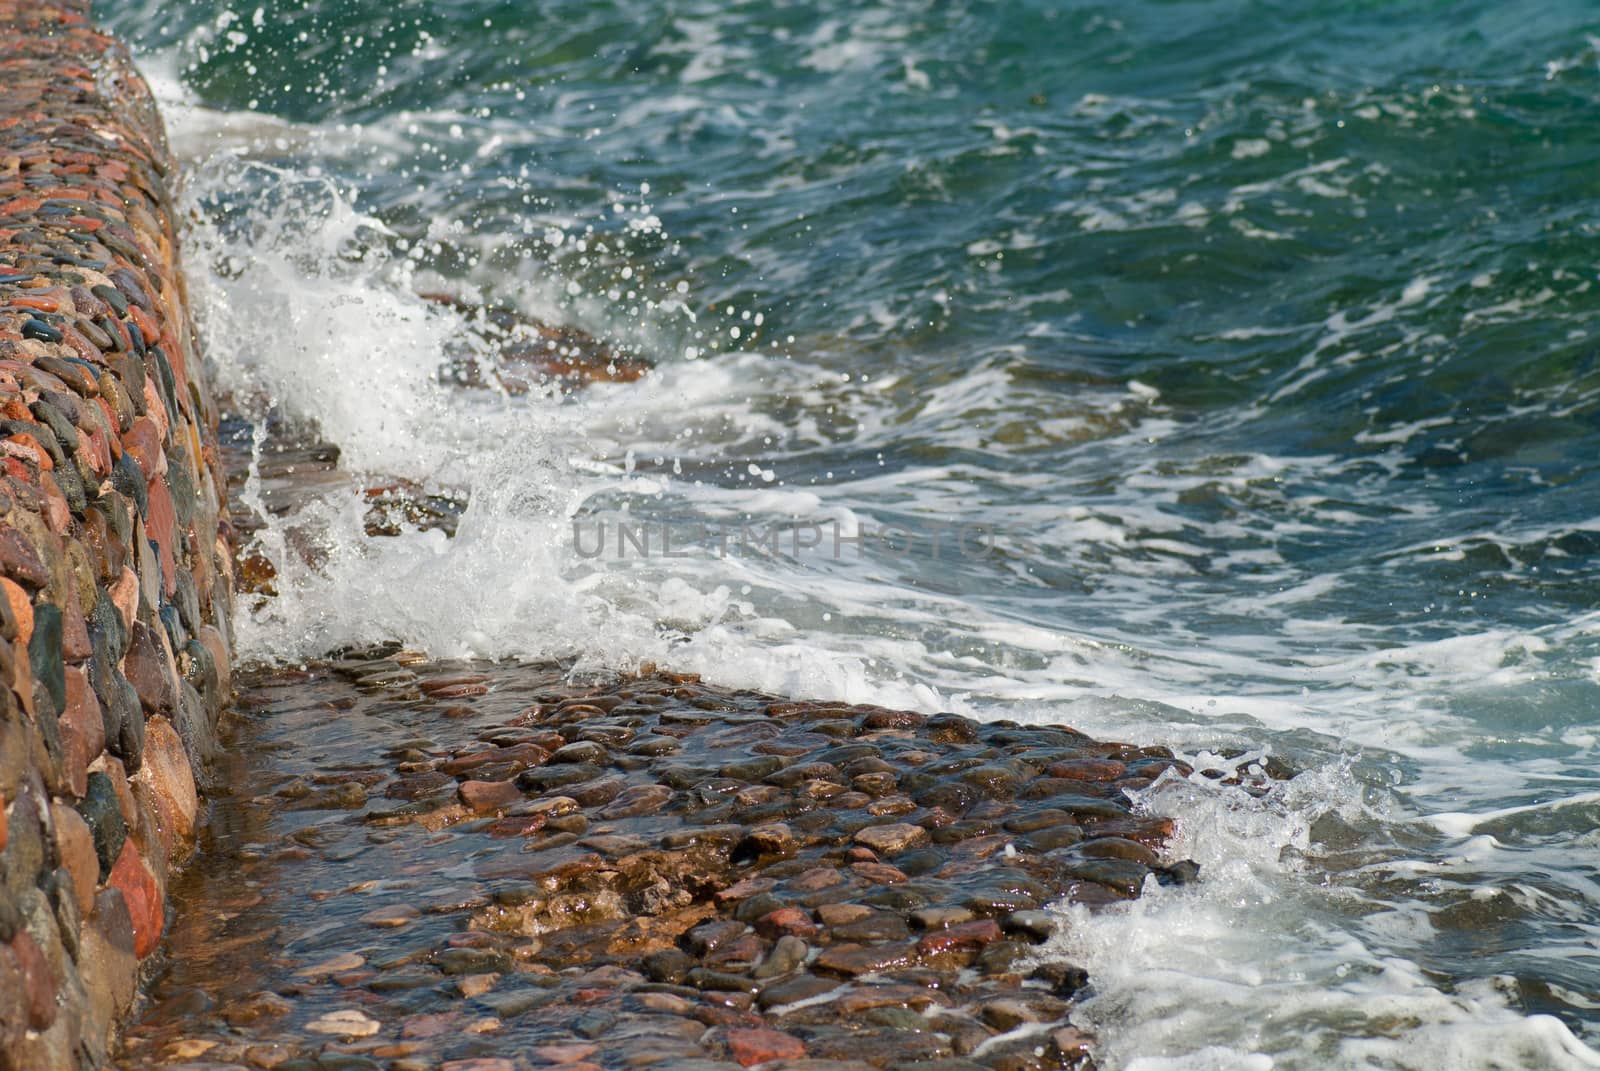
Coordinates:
column 1006, row 1014
column 961, row 937
column 167, row 772
column 882, row 1047
column 836, row 915
column 772, row 839
column 1002, row 957
column 143, row 897
column 874, row 926
column 851, row 959
column 797, row 988
column 580, row 751
column 1180, row 873
column 345, row 1023
column 1117, row 848
column 484, row 796
column 893, row 838
column 1063, row 979
column 751, row 1046
column 670, row 965
column 1034, row 925
column 102, row 812
column 637, row 802
column 1087, row 769
column 788, row 954
column 786, row 922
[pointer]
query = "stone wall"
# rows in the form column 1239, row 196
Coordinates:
column 115, row 563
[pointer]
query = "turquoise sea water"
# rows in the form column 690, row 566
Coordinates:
column 1265, row 331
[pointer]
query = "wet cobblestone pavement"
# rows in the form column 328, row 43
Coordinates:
column 484, row 868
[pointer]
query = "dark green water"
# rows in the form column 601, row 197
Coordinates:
column 1266, row 331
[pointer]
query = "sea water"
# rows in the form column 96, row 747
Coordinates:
column 1213, row 373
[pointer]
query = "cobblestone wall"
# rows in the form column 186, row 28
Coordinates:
column 115, row 564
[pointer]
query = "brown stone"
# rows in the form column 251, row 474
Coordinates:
column 21, row 609
column 39, row 983
column 485, row 796
column 564, row 1054
column 83, row 730
column 140, row 892
column 796, row 988
column 1117, row 848
column 392, row 916
column 893, row 838
column 167, row 774
column 758, row 1045
column 75, row 849
column 773, row 838
column 13, row 1003
column 479, row 1063
column 1087, row 769
column 1007, row 1014
column 150, row 671
column 75, row 646
column 745, row 888
column 851, row 960
column 125, row 596
column 840, row 914
column 637, row 802
column 106, row 962
column 20, row 561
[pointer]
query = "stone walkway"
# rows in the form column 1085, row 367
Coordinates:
column 483, row 868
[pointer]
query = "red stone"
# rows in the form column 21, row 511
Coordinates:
column 751, row 1046
column 523, row 826
column 963, row 937
column 744, row 888
column 786, row 921
column 142, row 442
column 162, row 524
column 524, row 754
column 879, row 873
column 815, row 880
column 143, row 896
